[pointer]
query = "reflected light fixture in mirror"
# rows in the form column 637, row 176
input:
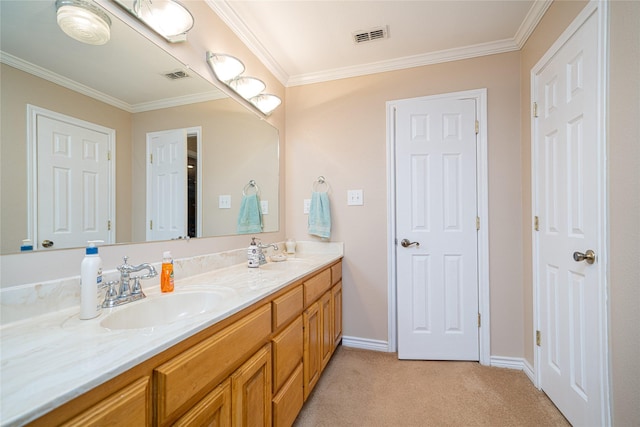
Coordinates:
column 83, row 21
column 228, row 70
column 168, row 18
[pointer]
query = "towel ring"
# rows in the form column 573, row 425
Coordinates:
column 251, row 184
column 318, row 183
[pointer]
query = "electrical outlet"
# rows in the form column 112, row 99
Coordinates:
column 355, row 198
column 307, row 205
column 264, row 207
column 224, row 202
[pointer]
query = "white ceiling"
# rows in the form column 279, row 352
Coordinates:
column 307, row 41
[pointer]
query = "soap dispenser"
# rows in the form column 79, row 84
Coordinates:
column 90, row 280
column 253, row 254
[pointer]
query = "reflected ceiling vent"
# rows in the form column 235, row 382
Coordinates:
column 372, row 34
column 175, row 75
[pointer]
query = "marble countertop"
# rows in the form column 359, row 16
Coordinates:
column 51, row 359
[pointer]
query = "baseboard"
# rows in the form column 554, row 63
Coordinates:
column 514, row 363
column 365, row 344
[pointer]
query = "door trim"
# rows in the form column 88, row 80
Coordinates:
column 33, row 112
column 601, row 9
column 482, row 182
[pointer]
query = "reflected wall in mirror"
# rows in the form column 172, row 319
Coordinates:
column 123, row 86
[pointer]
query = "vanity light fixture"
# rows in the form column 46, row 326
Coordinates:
column 266, row 102
column 168, row 18
column 84, row 21
column 228, row 70
column 247, row 87
column 225, row 67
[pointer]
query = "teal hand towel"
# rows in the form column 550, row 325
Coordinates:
column 250, row 216
column 320, row 215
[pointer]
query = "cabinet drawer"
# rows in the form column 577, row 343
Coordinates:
column 188, row 376
column 213, row 410
column 286, row 307
column 316, row 286
column 128, row 406
column 287, row 352
column 336, row 273
column 288, row 403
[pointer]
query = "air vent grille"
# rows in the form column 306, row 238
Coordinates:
column 372, row 34
column 175, row 75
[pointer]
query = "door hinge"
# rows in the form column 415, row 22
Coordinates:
column 109, row 155
column 477, row 223
column 535, row 109
column 150, row 224
column 479, row 320
column 536, row 223
column 151, row 158
column 538, row 339
column 477, row 127
column 109, row 225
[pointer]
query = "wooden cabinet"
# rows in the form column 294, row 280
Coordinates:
column 128, row 406
column 255, row 368
column 251, row 391
column 212, row 411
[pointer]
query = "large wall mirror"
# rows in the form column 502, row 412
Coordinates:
column 134, row 91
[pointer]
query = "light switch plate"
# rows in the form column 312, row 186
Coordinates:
column 264, row 207
column 307, row 205
column 224, row 201
column 355, row 198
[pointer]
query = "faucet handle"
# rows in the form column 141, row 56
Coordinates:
column 111, row 296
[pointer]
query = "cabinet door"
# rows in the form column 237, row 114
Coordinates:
column 326, row 316
column 251, row 391
column 336, row 296
column 287, row 352
column 128, row 406
column 212, row 411
column 289, row 400
column 312, row 338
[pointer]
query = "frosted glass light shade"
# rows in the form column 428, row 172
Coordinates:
column 226, row 67
column 247, row 87
column 83, row 21
column 167, row 17
column 266, row 102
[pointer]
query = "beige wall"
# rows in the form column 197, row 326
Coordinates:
column 337, row 129
column 624, row 211
column 18, row 90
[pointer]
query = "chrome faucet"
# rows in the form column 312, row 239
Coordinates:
column 261, row 257
column 127, row 293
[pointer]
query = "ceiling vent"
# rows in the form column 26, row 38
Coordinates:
column 372, row 34
column 175, row 75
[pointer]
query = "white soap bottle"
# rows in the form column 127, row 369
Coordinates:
column 253, row 257
column 90, row 280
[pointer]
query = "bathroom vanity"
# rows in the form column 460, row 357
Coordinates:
column 251, row 360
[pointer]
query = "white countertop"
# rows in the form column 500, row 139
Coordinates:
column 51, row 359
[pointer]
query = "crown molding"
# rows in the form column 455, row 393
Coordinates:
column 28, row 67
column 223, row 9
column 448, row 55
column 531, row 21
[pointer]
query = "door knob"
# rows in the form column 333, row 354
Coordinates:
column 47, row 243
column 406, row 243
column 589, row 256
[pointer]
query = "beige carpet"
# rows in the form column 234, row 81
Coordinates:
column 367, row 388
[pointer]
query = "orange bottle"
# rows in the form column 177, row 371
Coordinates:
column 166, row 277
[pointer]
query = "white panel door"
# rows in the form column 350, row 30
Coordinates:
column 167, row 185
column 73, row 184
column 437, row 275
column 567, row 205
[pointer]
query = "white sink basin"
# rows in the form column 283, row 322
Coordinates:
column 284, row 265
column 165, row 309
